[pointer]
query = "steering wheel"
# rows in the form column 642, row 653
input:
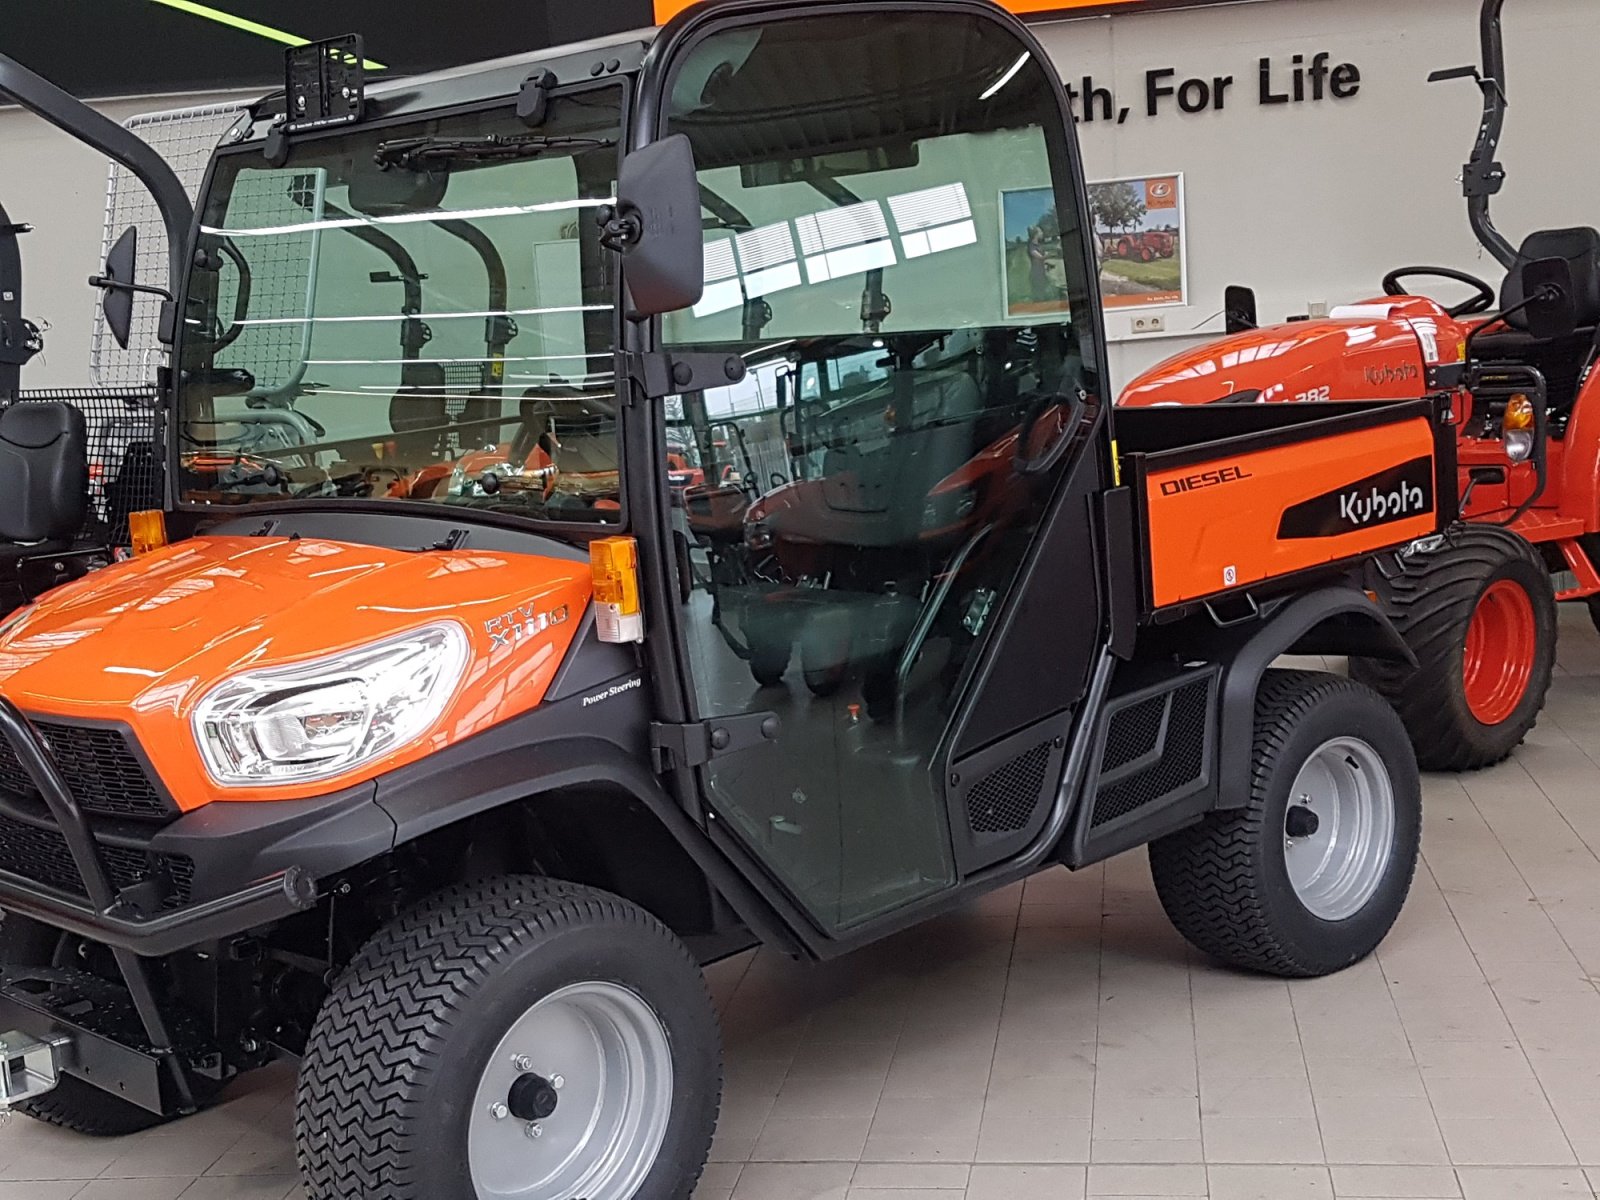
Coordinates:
column 1482, row 302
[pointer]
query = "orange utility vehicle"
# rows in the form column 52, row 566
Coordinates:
column 452, row 798
column 1478, row 608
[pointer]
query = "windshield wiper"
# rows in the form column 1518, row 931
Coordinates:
column 412, row 153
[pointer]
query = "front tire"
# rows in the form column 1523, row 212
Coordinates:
column 514, row 1037
column 1311, row 873
column 1479, row 613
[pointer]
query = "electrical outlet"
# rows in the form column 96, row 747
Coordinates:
column 1316, row 308
column 1149, row 324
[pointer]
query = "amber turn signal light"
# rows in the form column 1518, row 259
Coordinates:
column 147, row 530
column 614, row 568
column 1519, row 413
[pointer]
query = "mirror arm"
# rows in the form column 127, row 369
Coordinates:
column 108, row 284
column 620, row 230
column 1549, row 292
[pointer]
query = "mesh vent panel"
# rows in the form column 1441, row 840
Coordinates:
column 1133, row 732
column 98, row 768
column 42, row 855
column 1181, row 764
column 1004, row 800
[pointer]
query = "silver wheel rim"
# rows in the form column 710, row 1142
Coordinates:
column 606, row 1054
column 1336, row 868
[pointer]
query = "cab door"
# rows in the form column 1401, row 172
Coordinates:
column 891, row 549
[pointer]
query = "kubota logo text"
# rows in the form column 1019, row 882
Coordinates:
column 1375, row 506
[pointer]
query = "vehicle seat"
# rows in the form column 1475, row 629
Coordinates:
column 418, row 413
column 44, row 478
column 893, row 482
column 1562, row 361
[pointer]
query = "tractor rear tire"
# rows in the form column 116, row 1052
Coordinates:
column 1309, row 875
column 1479, row 613
column 515, row 1036
column 72, row 1104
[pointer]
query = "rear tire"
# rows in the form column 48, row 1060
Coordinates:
column 414, row 1056
column 72, row 1103
column 1480, row 615
column 1254, row 889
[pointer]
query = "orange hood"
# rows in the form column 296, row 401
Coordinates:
column 143, row 641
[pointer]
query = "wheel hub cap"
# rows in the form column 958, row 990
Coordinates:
column 575, row 1099
column 1338, row 831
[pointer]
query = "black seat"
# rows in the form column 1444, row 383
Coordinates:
column 44, row 476
column 1561, row 361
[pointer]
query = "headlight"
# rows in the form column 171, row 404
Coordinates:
column 1518, row 445
column 314, row 720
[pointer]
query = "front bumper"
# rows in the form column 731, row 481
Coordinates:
column 245, row 864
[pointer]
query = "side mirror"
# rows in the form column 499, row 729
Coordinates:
column 656, row 227
column 1551, row 305
column 1238, row 309
column 118, row 301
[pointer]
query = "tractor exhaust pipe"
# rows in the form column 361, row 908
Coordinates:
column 66, row 112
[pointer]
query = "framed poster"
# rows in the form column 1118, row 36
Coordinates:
column 1034, row 270
column 1142, row 243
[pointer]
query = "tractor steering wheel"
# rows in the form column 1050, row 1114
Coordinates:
column 1480, row 303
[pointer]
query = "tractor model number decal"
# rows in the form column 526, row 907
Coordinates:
column 1202, row 479
column 522, row 622
column 1391, row 495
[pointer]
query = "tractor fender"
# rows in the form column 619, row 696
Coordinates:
column 1579, row 485
column 1330, row 620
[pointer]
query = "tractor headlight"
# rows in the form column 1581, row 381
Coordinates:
column 1517, row 428
column 315, row 720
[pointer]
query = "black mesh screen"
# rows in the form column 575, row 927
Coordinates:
column 43, row 856
column 1133, row 732
column 1181, row 762
column 98, row 768
column 125, row 472
column 1004, row 800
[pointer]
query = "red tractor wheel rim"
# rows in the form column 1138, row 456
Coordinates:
column 1498, row 661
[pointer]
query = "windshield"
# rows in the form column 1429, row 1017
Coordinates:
column 413, row 312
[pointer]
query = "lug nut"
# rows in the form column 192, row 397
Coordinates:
column 534, row 1131
column 499, row 1112
column 557, row 1082
column 522, row 1062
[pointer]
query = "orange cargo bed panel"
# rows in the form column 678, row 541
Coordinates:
column 1238, row 513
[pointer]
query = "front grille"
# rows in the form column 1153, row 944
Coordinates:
column 1182, row 758
column 43, row 856
column 98, row 767
column 1004, row 800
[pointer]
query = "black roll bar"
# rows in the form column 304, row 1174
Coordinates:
column 1482, row 177
column 71, row 115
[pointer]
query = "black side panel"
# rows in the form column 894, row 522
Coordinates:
column 1118, row 534
column 590, row 662
column 1156, row 749
column 1001, row 797
column 1168, row 428
column 1039, row 656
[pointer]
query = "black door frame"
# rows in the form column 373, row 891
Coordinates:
column 665, row 650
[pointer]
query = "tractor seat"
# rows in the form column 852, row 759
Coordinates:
column 44, row 478
column 1561, row 361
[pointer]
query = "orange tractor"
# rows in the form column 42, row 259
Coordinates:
column 1477, row 607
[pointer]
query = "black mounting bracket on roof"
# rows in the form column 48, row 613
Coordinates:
column 325, row 83
column 534, row 99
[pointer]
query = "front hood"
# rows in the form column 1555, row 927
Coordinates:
column 142, row 642
column 1376, row 352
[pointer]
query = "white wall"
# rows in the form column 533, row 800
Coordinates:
column 1303, row 202
column 1316, row 201
column 58, row 185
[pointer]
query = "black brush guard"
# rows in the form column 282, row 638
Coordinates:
column 118, row 1038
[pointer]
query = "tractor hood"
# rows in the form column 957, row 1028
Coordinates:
column 142, row 642
column 1379, row 350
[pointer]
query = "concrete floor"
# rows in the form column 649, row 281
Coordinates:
column 1060, row 1042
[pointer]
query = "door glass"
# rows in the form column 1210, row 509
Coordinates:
column 892, row 243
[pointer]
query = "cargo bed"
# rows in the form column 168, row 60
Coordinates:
column 1243, row 498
